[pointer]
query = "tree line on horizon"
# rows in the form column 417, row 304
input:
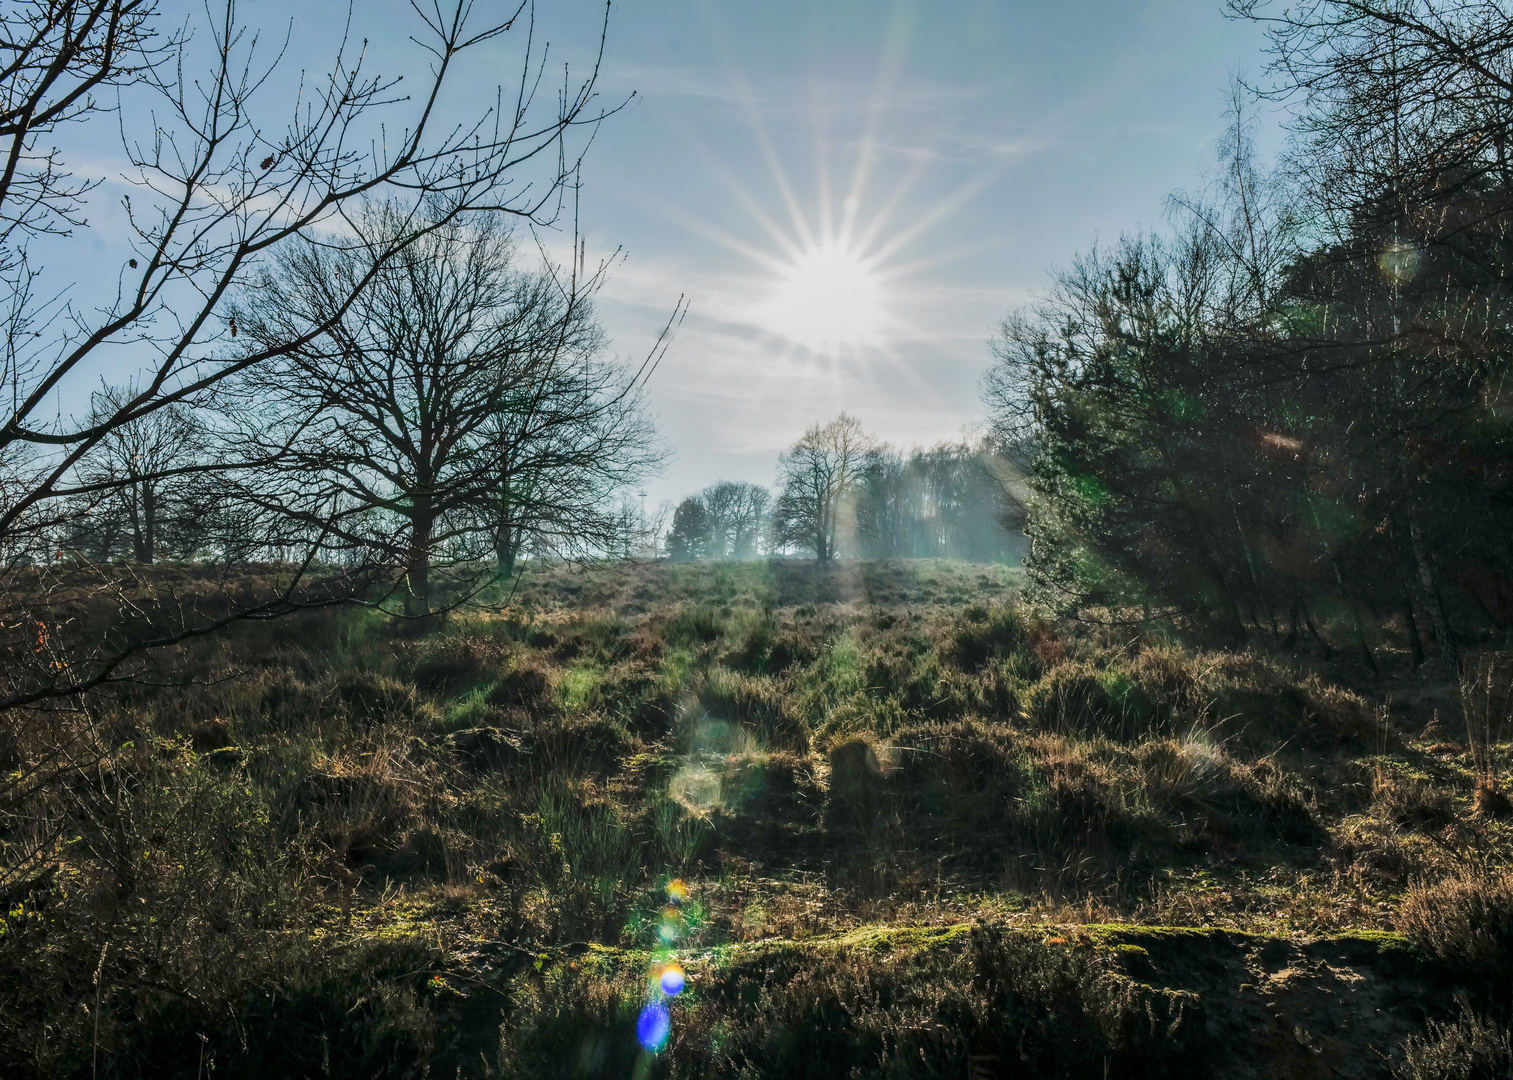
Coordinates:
column 841, row 493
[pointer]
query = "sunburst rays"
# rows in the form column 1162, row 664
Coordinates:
column 830, row 266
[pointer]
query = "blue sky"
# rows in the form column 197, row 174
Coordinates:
column 971, row 143
column 1002, row 138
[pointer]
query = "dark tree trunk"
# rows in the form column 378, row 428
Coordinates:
column 1233, row 622
column 149, row 523
column 506, row 549
column 418, row 568
column 134, row 510
column 1427, row 577
column 1250, row 561
column 1314, row 630
column 1415, row 642
column 1356, row 621
column 109, row 533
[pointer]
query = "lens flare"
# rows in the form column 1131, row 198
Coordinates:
column 677, row 891
column 1398, row 263
column 697, row 789
column 653, row 1026
column 670, row 929
column 672, row 980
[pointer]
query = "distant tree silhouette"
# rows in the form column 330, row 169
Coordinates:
column 143, row 490
column 817, row 479
column 727, row 520
column 950, row 501
column 692, row 531
column 738, row 515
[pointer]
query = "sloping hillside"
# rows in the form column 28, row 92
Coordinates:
column 881, row 820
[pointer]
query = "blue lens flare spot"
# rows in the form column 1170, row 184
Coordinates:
column 672, row 980
column 653, row 1026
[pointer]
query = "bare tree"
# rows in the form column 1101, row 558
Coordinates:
column 455, row 381
column 816, row 476
column 140, row 478
column 1402, row 105
column 384, row 415
column 739, row 514
column 218, row 190
column 562, row 453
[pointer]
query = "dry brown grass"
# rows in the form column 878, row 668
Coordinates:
column 1466, row 918
column 539, row 775
column 1470, row 1047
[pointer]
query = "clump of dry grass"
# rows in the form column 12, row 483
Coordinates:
column 1466, row 918
column 755, row 702
column 1412, row 802
column 1379, row 857
column 1086, row 699
column 1486, row 699
column 1470, row 1046
column 859, row 767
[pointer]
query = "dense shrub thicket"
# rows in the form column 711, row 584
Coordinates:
column 1294, row 405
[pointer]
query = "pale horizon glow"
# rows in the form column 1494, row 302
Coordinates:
column 828, row 298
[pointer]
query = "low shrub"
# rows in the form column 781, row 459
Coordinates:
column 1086, row 700
column 289, row 705
column 769, row 799
column 696, row 624
column 798, row 645
column 1412, row 803
column 755, row 703
column 1469, row 1048
column 453, row 664
column 580, row 745
column 1465, row 919
column 753, row 653
column 368, row 698
column 860, row 796
column 987, row 633
column 964, row 787
column 528, row 686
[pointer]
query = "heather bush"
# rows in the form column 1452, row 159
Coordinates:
column 1468, row 1048
column 1466, row 918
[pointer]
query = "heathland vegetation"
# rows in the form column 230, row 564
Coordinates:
column 881, row 817
column 356, row 721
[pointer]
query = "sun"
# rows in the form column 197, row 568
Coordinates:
column 830, row 297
